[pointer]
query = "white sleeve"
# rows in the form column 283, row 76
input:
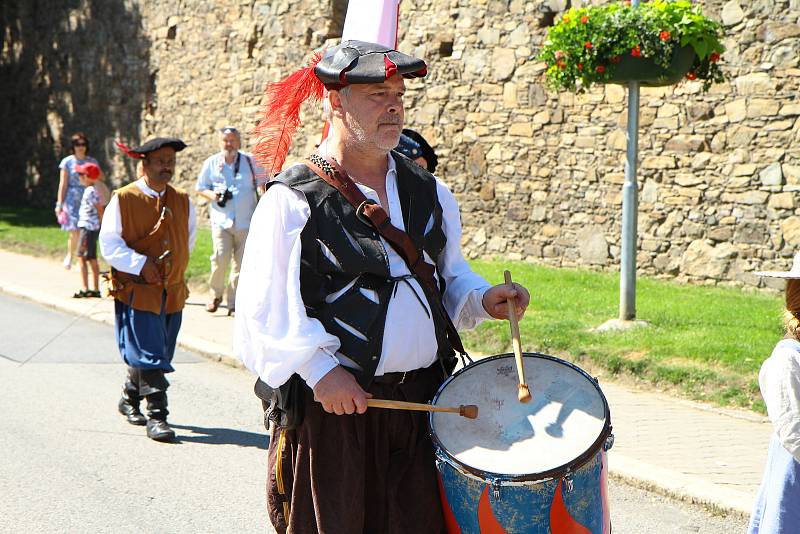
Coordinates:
column 192, row 226
column 273, row 335
column 114, row 249
column 780, row 386
column 463, row 296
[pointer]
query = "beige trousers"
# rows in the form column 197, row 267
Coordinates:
column 227, row 242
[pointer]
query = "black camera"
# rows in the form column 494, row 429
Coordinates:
column 224, row 197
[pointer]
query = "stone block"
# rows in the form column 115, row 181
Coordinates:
column 732, row 13
column 543, row 117
column 659, row 162
column 790, row 228
column 752, row 198
column 774, row 32
column 756, row 83
column 649, row 192
column 706, row 261
column 688, row 180
column 618, row 140
column 720, row 233
column 592, row 245
column 550, row 230
column 489, row 36
column 487, row 191
column 538, row 213
column 790, row 110
column 503, row 64
column 791, row 173
column 476, row 161
column 510, row 95
column 762, row 107
column 745, row 169
column 521, row 129
column 771, row 175
column 497, row 244
column 687, row 143
column 783, row 201
column 667, row 110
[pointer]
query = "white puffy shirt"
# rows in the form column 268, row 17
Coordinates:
column 274, row 337
column 779, row 380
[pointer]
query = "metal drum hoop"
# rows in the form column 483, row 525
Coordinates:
column 551, row 474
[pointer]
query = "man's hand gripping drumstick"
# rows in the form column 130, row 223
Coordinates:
column 339, row 393
column 523, row 393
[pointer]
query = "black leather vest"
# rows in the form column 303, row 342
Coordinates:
column 344, row 269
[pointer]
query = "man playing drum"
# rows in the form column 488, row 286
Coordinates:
column 329, row 312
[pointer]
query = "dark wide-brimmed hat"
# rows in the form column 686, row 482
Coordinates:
column 354, row 62
column 351, row 62
column 151, row 146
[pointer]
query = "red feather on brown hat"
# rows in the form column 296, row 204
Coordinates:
column 280, row 114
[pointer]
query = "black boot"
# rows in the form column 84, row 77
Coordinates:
column 129, row 404
column 157, row 427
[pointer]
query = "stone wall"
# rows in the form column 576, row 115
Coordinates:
column 538, row 174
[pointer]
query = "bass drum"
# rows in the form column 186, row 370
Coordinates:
column 537, row 467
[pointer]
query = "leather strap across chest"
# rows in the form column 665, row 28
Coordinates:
column 370, row 212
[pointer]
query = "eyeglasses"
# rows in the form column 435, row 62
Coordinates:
column 79, row 143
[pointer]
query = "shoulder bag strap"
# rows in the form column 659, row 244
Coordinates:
column 369, row 211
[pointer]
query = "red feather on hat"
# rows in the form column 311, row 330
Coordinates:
column 129, row 151
column 280, row 114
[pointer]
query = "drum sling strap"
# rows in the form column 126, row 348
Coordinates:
column 369, row 211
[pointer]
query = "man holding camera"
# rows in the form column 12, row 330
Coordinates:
column 229, row 180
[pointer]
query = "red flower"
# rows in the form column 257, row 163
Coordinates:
column 665, row 35
column 588, row 45
column 714, row 57
column 691, row 75
column 636, row 51
column 600, row 69
column 616, row 59
column 566, row 20
column 584, row 19
column 561, row 64
column 580, row 66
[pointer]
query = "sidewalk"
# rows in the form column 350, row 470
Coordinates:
column 688, row 450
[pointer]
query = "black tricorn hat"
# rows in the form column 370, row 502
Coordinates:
column 152, row 145
column 361, row 62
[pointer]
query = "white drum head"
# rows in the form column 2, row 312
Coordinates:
column 565, row 418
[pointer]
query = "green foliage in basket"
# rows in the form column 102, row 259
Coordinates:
column 587, row 44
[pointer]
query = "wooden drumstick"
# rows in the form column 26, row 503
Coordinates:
column 523, row 393
column 470, row 411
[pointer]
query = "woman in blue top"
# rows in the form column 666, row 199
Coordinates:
column 70, row 192
column 777, row 508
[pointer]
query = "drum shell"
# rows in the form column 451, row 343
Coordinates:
column 571, row 497
column 473, row 506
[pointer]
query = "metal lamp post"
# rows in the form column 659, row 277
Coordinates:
column 630, row 207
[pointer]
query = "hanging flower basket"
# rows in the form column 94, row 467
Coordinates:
column 651, row 74
column 657, row 43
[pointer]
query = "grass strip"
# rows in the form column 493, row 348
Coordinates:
column 703, row 342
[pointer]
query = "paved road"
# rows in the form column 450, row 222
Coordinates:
column 70, row 463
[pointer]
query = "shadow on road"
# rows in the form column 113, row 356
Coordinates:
column 221, row 436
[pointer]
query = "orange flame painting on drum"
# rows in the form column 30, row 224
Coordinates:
column 561, row 522
column 486, row 519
